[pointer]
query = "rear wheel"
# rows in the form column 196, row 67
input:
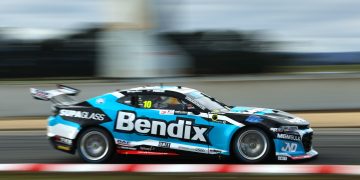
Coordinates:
column 95, row 145
column 251, row 145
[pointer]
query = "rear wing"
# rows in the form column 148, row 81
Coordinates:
column 51, row 95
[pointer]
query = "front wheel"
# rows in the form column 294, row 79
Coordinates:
column 95, row 145
column 251, row 145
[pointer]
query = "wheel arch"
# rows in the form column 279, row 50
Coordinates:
column 84, row 128
column 260, row 126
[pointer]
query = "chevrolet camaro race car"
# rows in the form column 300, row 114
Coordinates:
column 171, row 120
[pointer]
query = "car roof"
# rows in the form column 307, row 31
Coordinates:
column 178, row 89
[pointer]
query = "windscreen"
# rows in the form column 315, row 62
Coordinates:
column 207, row 101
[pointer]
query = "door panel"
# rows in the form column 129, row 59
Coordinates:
column 111, row 107
column 163, row 129
column 220, row 134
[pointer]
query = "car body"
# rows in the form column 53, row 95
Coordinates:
column 171, row 120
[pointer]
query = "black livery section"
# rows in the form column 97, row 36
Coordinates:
column 271, row 125
column 265, row 120
column 267, row 123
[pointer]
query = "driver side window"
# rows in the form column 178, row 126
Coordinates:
column 128, row 100
column 160, row 102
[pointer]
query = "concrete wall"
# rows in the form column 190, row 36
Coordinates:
column 286, row 94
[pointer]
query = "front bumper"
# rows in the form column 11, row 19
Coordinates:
column 286, row 157
column 294, row 145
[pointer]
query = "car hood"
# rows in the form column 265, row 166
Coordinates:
column 273, row 114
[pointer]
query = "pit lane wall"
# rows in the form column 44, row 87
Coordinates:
column 291, row 93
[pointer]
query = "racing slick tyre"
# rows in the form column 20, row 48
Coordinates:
column 95, row 145
column 251, row 145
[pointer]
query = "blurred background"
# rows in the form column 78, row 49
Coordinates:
column 172, row 38
column 282, row 54
column 298, row 56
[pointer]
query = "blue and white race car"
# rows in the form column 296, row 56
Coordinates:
column 170, row 120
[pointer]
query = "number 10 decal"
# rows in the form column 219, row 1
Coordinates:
column 147, row 104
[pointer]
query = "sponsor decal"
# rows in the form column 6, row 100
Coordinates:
column 282, row 158
column 194, row 149
column 164, row 144
column 143, row 148
column 182, row 128
column 128, row 148
column 166, row 112
column 289, row 147
column 220, row 121
column 214, row 151
column 41, row 94
column 254, row 119
column 82, row 114
column 122, row 142
column 292, row 137
column 181, row 113
column 63, row 140
column 284, row 129
column 195, row 102
column 277, row 130
column 200, row 150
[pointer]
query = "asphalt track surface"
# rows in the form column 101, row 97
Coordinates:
column 335, row 146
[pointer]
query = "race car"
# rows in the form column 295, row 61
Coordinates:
column 171, row 121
